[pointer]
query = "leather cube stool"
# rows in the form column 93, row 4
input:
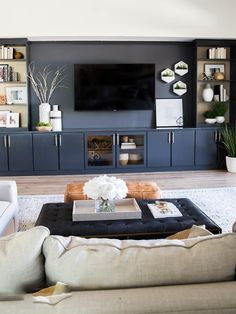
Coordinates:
column 137, row 189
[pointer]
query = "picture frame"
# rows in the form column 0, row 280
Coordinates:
column 3, row 72
column 210, row 69
column 16, row 95
column 3, row 118
column 12, row 120
column 169, row 112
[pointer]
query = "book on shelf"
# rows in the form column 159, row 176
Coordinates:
column 217, row 53
column 128, row 146
column 6, row 53
column 220, row 93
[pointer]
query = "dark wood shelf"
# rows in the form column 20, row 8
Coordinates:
column 215, row 81
column 11, row 82
column 12, row 60
column 215, row 60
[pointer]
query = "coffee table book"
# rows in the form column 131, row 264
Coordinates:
column 84, row 210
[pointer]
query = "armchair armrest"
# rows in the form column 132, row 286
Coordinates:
column 8, row 191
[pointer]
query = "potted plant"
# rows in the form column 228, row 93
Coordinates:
column 167, row 75
column 181, row 68
column 210, row 116
column 43, row 126
column 220, row 108
column 228, row 139
column 179, row 88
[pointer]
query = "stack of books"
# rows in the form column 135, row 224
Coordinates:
column 6, row 52
column 128, row 146
column 217, row 53
column 220, row 93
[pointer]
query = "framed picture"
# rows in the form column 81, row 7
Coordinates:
column 16, row 95
column 169, row 112
column 211, row 69
column 3, row 72
column 12, row 120
column 3, row 118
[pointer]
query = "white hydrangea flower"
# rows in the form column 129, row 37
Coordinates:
column 105, row 187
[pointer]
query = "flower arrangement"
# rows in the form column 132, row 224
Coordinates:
column 105, row 189
column 45, row 82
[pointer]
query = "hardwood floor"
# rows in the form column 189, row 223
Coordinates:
column 32, row 185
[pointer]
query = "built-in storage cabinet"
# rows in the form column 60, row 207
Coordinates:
column 53, row 151
column 215, row 69
column 206, row 147
column 16, row 152
column 13, row 80
column 171, row 148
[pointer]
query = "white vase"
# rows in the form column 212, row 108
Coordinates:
column 207, row 93
column 231, row 164
column 55, row 119
column 220, row 119
column 44, row 110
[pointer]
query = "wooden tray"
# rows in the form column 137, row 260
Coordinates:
column 84, row 210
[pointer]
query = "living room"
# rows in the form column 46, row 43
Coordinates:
column 118, row 143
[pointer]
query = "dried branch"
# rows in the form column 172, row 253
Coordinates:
column 46, row 82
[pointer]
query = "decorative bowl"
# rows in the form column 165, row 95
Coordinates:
column 43, row 128
column 210, row 120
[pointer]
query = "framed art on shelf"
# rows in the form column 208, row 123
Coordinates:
column 211, row 69
column 16, row 95
column 12, row 120
column 3, row 118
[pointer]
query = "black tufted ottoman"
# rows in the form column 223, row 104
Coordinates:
column 57, row 217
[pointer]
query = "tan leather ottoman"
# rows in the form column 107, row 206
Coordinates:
column 139, row 190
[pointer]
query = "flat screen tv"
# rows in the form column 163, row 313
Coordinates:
column 114, row 86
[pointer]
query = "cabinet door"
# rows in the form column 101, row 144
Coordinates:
column 159, row 149
column 45, row 151
column 183, row 148
column 71, row 151
column 3, row 153
column 20, row 152
column 206, row 147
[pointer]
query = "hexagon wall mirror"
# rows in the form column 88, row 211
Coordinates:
column 181, row 68
column 167, row 75
column 179, row 88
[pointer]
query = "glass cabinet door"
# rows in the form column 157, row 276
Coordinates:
column 131, row 150
column 100, row 150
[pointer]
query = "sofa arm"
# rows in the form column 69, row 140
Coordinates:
column 234, row 227
column 8, row 191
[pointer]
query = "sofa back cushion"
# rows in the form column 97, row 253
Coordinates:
column 22, row 261
column 109, row 263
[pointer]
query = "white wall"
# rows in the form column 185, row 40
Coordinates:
column 118, row 19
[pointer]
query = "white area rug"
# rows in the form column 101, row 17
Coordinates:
column 219, row 204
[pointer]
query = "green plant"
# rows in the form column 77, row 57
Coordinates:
column 210, row 114
column 228, row 139
column 182, row 66
column 43, row 124
column 168, row 73
column 178, row 86
column 220, row 108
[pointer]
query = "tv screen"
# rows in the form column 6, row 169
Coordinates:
column 114, row 86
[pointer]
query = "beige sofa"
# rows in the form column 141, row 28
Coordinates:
column 192, row 276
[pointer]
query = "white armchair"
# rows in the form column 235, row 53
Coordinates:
column 8, row 207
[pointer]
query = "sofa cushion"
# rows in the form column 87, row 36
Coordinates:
column 21, row 261
column 3, row 207
column 109, row 263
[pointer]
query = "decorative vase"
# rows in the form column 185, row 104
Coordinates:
column 220, row 119
column 231, row 164
column 55, row 118
column 44, row 110
column 207, row 93
column 106, row 205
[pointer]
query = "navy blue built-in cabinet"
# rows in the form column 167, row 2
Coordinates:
column 206, row 147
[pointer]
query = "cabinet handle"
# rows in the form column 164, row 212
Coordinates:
column 59, row 139
column 9, row 141
column 169, row 137
column 216, row 137
column 5, row 141
column 173, row 137
column 55, row 140
column 114, row 138
column 219, row 136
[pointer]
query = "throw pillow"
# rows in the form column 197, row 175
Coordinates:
column 21, row 261
column 193, row 232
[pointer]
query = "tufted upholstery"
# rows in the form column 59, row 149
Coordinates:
column 58, row 218
column 139, row 190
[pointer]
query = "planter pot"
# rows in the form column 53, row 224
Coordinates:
column 220, row 119
column 231, row 164
column 210, row 120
